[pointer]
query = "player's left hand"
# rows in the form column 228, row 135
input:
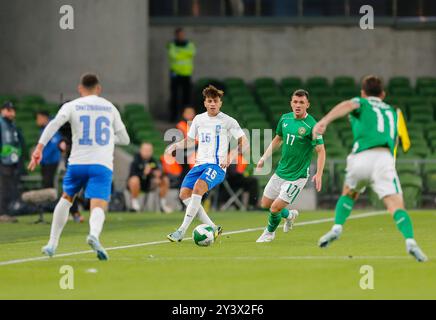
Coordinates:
column 317, row 178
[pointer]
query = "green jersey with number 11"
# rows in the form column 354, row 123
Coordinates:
column 297, row 147
column 374, row 124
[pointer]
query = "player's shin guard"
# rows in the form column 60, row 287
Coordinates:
column 344, row 206
column 404, row 223
column 274, row 221
column 60, row 218
column 191, row 212
column 96, row 222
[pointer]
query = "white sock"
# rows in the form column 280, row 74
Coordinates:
column 60, row 218
column 96, row 222
column 191, row 212
column 201, row 214
column 337, row 228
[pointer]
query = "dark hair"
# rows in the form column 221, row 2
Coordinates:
column 372, row 86
column 178, row 30
column 301, row 93
column 89, row 80
column 44, row 113
column 212, row 92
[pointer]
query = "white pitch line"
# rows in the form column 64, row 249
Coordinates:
column 304, row 223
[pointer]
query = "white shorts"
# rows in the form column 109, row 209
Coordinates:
column 374, row 168
column 285, row 190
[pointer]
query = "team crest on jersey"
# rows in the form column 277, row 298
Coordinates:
column 218, row 129
column 301, row 131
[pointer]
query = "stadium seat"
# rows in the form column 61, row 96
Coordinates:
column 399, row 82
column 402, row 91
column 8, row 97
column 407, row 167
column 32, row 99
column 428, row 92
column 321, row 92
column 420, row 118
column 234, row 83
column 412, row 189
column 344, row 82
column 347, row 93
column 317, row 82
column 425, row 82
column 290, row 84
column 265, row 82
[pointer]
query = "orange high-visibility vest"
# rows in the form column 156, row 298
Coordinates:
column 241, row 164
column 171, row 167
column 184, row 127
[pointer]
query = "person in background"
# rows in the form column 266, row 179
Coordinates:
column 237, row 177
column 65, row 147
column 52, row 153
column 181, row 53
column 188, row 116
column 145, row 175
column 11, row 165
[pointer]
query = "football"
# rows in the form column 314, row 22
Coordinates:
column 203, row 235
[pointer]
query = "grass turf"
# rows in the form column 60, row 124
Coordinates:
column 291, row 267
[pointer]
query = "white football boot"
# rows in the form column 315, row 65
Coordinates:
column 266, row 236
column 330, row 236
column 415, row 251
column 290, row 220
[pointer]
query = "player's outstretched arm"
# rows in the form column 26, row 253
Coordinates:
column 339, row 111
column 185, row 143
column 46, row 136
column 317, row 178
column 273, row 146
column 243, row 146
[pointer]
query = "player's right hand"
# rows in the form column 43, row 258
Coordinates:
column 36, row 159
column 260, row 164
column 170, row 149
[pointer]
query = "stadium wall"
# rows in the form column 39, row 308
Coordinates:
column 279, row 51
column 110, row 38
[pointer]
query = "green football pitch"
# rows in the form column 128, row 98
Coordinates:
column 143, row 265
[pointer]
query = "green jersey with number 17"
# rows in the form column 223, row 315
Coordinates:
column 297, row 147
column 374, row 124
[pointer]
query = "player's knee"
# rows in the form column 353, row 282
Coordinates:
column 275, row 209
column 265, row 204
column 134, row 182
column 185, row 194
column 68, row 198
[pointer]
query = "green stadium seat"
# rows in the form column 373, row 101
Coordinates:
column 291, row 84
column 347, row 93
column 422, row 82
column 32, row 99
column 237, row 91
column 268, row 92
column 265, row 82
column 402, row 91
column 329, row 103
column 317, row 82
column 428, row 92
column 321, row 92
column 344, row 82
column 240, row 100
column 420, row 118
column 412, row 189
column 399, row 82
column 407, row 167
column 8, row 97
column 234, row 82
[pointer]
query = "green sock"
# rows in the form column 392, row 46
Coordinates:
column 343, row 209
column 284, row 213
column 404, row 223
column 274, row 221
